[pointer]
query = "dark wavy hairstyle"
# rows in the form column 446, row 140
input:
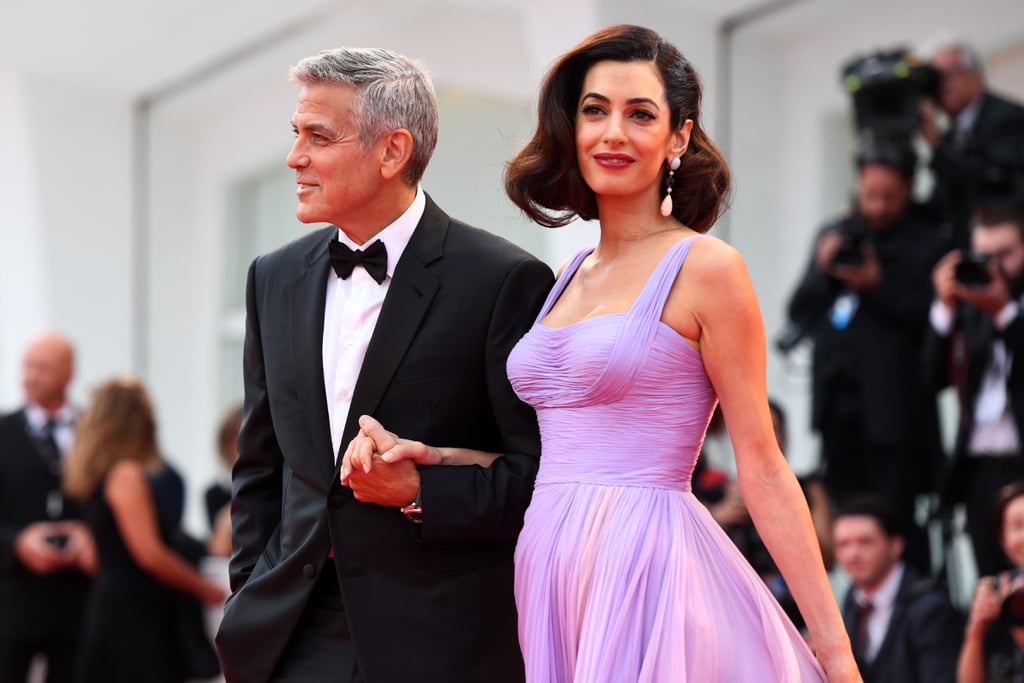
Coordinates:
column 1006, row 495
column 544, row 178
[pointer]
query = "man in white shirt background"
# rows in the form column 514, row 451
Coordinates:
column 976, row 343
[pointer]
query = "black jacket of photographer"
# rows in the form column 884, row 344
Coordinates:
column 960, row 164
column 881, row 346
column 960, row 360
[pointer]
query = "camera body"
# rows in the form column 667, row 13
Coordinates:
column 59, row 541
column 972, row 269
column 854, row 233
column 1013, row 603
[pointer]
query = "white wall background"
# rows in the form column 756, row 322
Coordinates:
column 66, row 171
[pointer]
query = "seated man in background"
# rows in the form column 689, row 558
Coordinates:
column 903, row 630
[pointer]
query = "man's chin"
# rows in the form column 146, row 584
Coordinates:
column 309, row 216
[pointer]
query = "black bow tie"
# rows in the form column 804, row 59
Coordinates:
column 374, row 259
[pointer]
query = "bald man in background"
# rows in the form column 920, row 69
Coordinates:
column 46, row 553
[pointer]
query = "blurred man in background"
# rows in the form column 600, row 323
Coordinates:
column 45, row 551
column 976, row 343
column 902, row 629
column 985, row 130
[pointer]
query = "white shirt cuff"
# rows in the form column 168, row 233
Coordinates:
column 1006, row 315
column 941, row 318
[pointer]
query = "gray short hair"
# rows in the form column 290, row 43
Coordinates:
column 392, row 92
column 969, row 56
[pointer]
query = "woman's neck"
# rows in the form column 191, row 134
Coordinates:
column 625, row 225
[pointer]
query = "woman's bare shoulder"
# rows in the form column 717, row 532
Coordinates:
column 713, row 261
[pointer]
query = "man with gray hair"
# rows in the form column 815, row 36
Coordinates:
column 400, row 312
column 986, row 131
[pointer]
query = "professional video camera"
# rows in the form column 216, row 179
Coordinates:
column 887, row 88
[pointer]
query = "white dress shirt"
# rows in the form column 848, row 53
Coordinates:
column 883, row 600
column 994, row 431
column 64, row 430
column 350, row 315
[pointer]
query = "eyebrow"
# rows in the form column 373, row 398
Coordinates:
column 314, row 127
column 632, row 100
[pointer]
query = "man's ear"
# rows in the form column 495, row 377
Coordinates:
column 396, row 151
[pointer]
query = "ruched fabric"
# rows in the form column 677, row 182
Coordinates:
column 621, row 574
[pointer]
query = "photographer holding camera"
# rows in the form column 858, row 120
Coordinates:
column 984, row 129
column 864, row 301
column 976, row 344
column 993, row 646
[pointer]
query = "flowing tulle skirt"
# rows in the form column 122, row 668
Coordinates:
column 626, row 583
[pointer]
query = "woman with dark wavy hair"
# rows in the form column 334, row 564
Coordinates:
column 621, row 574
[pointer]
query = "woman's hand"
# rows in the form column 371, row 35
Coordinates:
column 839, row 666
column 212, row 594
column 988, row 601
column 373, row 439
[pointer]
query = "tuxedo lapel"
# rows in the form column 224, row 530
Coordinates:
column 308, row 296
column 409, row 297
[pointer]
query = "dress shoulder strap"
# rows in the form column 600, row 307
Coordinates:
column 636, row 336
column 563, row 280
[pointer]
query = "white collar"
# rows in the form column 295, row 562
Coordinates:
column 396, row 235
column 37, row 416
column 884, row 596
column 965, row 119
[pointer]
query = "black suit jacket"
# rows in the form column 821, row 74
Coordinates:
column 923, row 640
column 32, row 605
column 430, row 604
column 997, row 137
column 959, row 359
column 881, row 347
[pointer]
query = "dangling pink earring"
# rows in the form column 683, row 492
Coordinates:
column 666, row 203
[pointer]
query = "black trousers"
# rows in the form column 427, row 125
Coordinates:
column 17, row 652
column 984, row 476
column 320, row 648
column 854, row 465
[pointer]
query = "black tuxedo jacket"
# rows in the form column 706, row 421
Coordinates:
column 923, row 640
column 433, row 603
column 881, row 347
column 32, row 605
column 959, row 360
column 997, row 137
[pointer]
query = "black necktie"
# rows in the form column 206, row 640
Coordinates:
column 863, row 638
column 48, row 447
column 374, row 259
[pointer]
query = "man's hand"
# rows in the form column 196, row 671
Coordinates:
column 373, row 439
column 990, row 298
column 380, row 467
column 390, row 484
column 929, row 122
column 861, row 276
column 80, row 550
column 39, row 555
column 825, row 252
column 944, row 279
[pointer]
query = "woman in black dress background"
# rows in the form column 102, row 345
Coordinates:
column 129, row 632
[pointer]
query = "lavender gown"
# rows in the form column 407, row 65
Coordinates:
column 621, row 574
